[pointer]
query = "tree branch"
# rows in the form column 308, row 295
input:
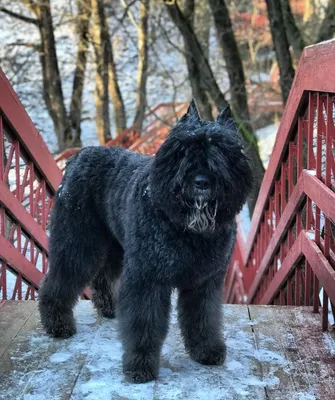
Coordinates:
column 35, row 46
column 130, row 14
column 19, row 16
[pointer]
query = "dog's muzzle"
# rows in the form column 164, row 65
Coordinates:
column 201, row 215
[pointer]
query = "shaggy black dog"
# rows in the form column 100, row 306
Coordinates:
column 157, row 223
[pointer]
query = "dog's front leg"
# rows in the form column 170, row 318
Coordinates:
column 143, row 312
column 200, row 319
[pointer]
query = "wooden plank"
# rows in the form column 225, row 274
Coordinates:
column 307, row 78
column 38, row 366
column 239, row 378
column 320, row 265
column 13, row 316
column 30, row 138
column 19, row 262
column 304, row 364
column 272, row 353
column 281, row 229
column 14, row 206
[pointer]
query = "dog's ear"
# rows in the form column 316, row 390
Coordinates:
column 191, row 112
column 224, row 115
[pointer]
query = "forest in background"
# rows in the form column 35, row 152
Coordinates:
column 87, row 69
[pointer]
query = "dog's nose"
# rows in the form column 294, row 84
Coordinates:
column 201, row 182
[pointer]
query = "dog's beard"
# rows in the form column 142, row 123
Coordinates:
column 201, row 216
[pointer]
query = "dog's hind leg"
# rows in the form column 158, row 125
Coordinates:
column 104, row 284
column 75, row 257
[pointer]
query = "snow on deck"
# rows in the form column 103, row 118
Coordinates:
column 273, row 353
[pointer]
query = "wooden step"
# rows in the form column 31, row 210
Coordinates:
column 273, row 353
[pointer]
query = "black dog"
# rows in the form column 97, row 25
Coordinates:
column 158, row 223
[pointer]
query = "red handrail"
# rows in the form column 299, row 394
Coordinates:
column 29, row 178
column 290, row 250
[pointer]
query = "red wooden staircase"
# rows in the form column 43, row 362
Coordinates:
column 289, row 255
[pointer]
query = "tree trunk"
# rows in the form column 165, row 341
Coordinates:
column 83, row 22
column 188, row 8
column 116, row 96
column 327, row 28
column 115, row 91
column 202, row 25
column 52, row 87
column 198, row 89
column 293, row 33
column 239, row 97
column 200, row 73
column 142, row 72
column 281, row 46
column 101, row 49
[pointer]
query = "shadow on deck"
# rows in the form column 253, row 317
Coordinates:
column 273, row 353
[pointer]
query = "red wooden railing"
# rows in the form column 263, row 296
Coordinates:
column 290, row 250
column 29, row 178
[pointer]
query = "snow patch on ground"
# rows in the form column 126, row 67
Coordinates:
column 60, row 357
column 96, row 352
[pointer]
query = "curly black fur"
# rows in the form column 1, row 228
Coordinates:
column 157, row 223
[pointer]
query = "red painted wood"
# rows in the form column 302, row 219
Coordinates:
column 319, row 264
column 321, row 195
column 15, row 114
column 21, row 215
column 13, row 257
column 308, row 78
column 291, row 259
column 303, row 246
column 286, row 218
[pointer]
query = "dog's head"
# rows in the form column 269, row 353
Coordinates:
column 201, row 176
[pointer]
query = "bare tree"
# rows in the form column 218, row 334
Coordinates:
column 293, row 33
column 281, row 46
column 239, row 97
column 82, row 29
column 120, row 117
column 203, row 83
column 142, row 71
column 101, row 49
column 52, row 85
column 202, row 24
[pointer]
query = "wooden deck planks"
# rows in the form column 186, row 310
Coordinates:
column 35, row 366
column 306, row 366
column 239, row 378
column 13, row 316
column 272, row 353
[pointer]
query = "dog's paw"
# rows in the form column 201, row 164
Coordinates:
column 140, row 376
column 209, row 355
column 62, row 331
column 139, row 367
